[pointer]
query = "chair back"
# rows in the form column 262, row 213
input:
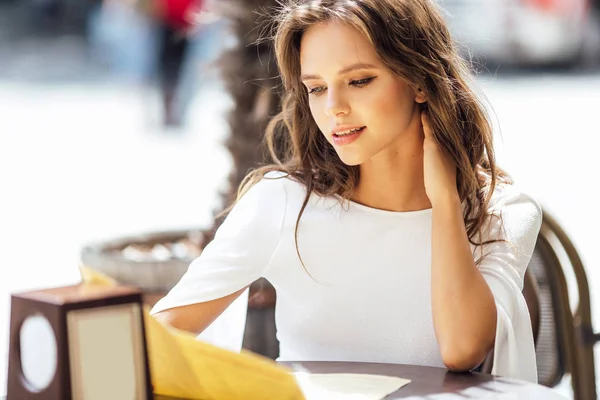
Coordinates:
column 563, row 338
column 574, row 331
column 550, row 351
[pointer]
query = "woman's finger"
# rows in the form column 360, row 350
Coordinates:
column 425, row 123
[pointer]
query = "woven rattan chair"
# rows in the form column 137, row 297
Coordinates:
column 564, row 337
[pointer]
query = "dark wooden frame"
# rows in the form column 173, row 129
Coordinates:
column 54, row 304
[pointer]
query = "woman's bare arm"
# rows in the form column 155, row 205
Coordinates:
column 464, row 309
column 197, row 317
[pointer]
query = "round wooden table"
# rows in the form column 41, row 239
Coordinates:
column 437, row 383
column 431, row 383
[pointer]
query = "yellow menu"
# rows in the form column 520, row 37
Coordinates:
column 181, row 366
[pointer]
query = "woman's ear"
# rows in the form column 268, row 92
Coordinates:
column 420, row 96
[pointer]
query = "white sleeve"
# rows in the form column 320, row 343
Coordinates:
column 240, row 252
column 503, row 267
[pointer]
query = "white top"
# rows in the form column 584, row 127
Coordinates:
column 370, row 299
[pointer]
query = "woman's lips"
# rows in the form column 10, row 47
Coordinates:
column 347, row 139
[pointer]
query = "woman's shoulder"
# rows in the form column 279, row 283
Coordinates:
column 280, row 181
column 294, row 187
column 265, row 199
column 273, row 191
column 508, row 196
column 519, row 212
column 295, row 192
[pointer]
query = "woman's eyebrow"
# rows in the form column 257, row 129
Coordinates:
column 342, row 71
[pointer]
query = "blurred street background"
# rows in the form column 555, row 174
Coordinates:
column 102, row 135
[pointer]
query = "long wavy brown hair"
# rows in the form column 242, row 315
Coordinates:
column 412, row 39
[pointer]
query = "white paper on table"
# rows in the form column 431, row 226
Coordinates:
column 348, row 386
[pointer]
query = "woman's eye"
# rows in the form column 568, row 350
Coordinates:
column 362, row 82
column 316, row 90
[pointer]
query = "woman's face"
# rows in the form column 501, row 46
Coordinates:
column 362, row 107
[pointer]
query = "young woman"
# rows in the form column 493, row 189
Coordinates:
column 384, row 224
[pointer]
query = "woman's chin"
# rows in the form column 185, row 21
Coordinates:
column 351, row 160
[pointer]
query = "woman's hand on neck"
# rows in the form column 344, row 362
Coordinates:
column 439, row 170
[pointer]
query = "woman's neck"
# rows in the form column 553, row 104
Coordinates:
column 393, row 180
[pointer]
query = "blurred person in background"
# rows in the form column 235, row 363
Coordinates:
column 206, row 32
column 159, row 41
column 191, row 37
column 175, row 18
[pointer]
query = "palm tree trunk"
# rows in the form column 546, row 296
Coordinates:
column 252, row 79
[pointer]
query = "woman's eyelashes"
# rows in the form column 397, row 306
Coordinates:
column 362, row 82
column 359, row 83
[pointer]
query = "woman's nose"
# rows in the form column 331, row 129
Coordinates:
column 336, row 105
